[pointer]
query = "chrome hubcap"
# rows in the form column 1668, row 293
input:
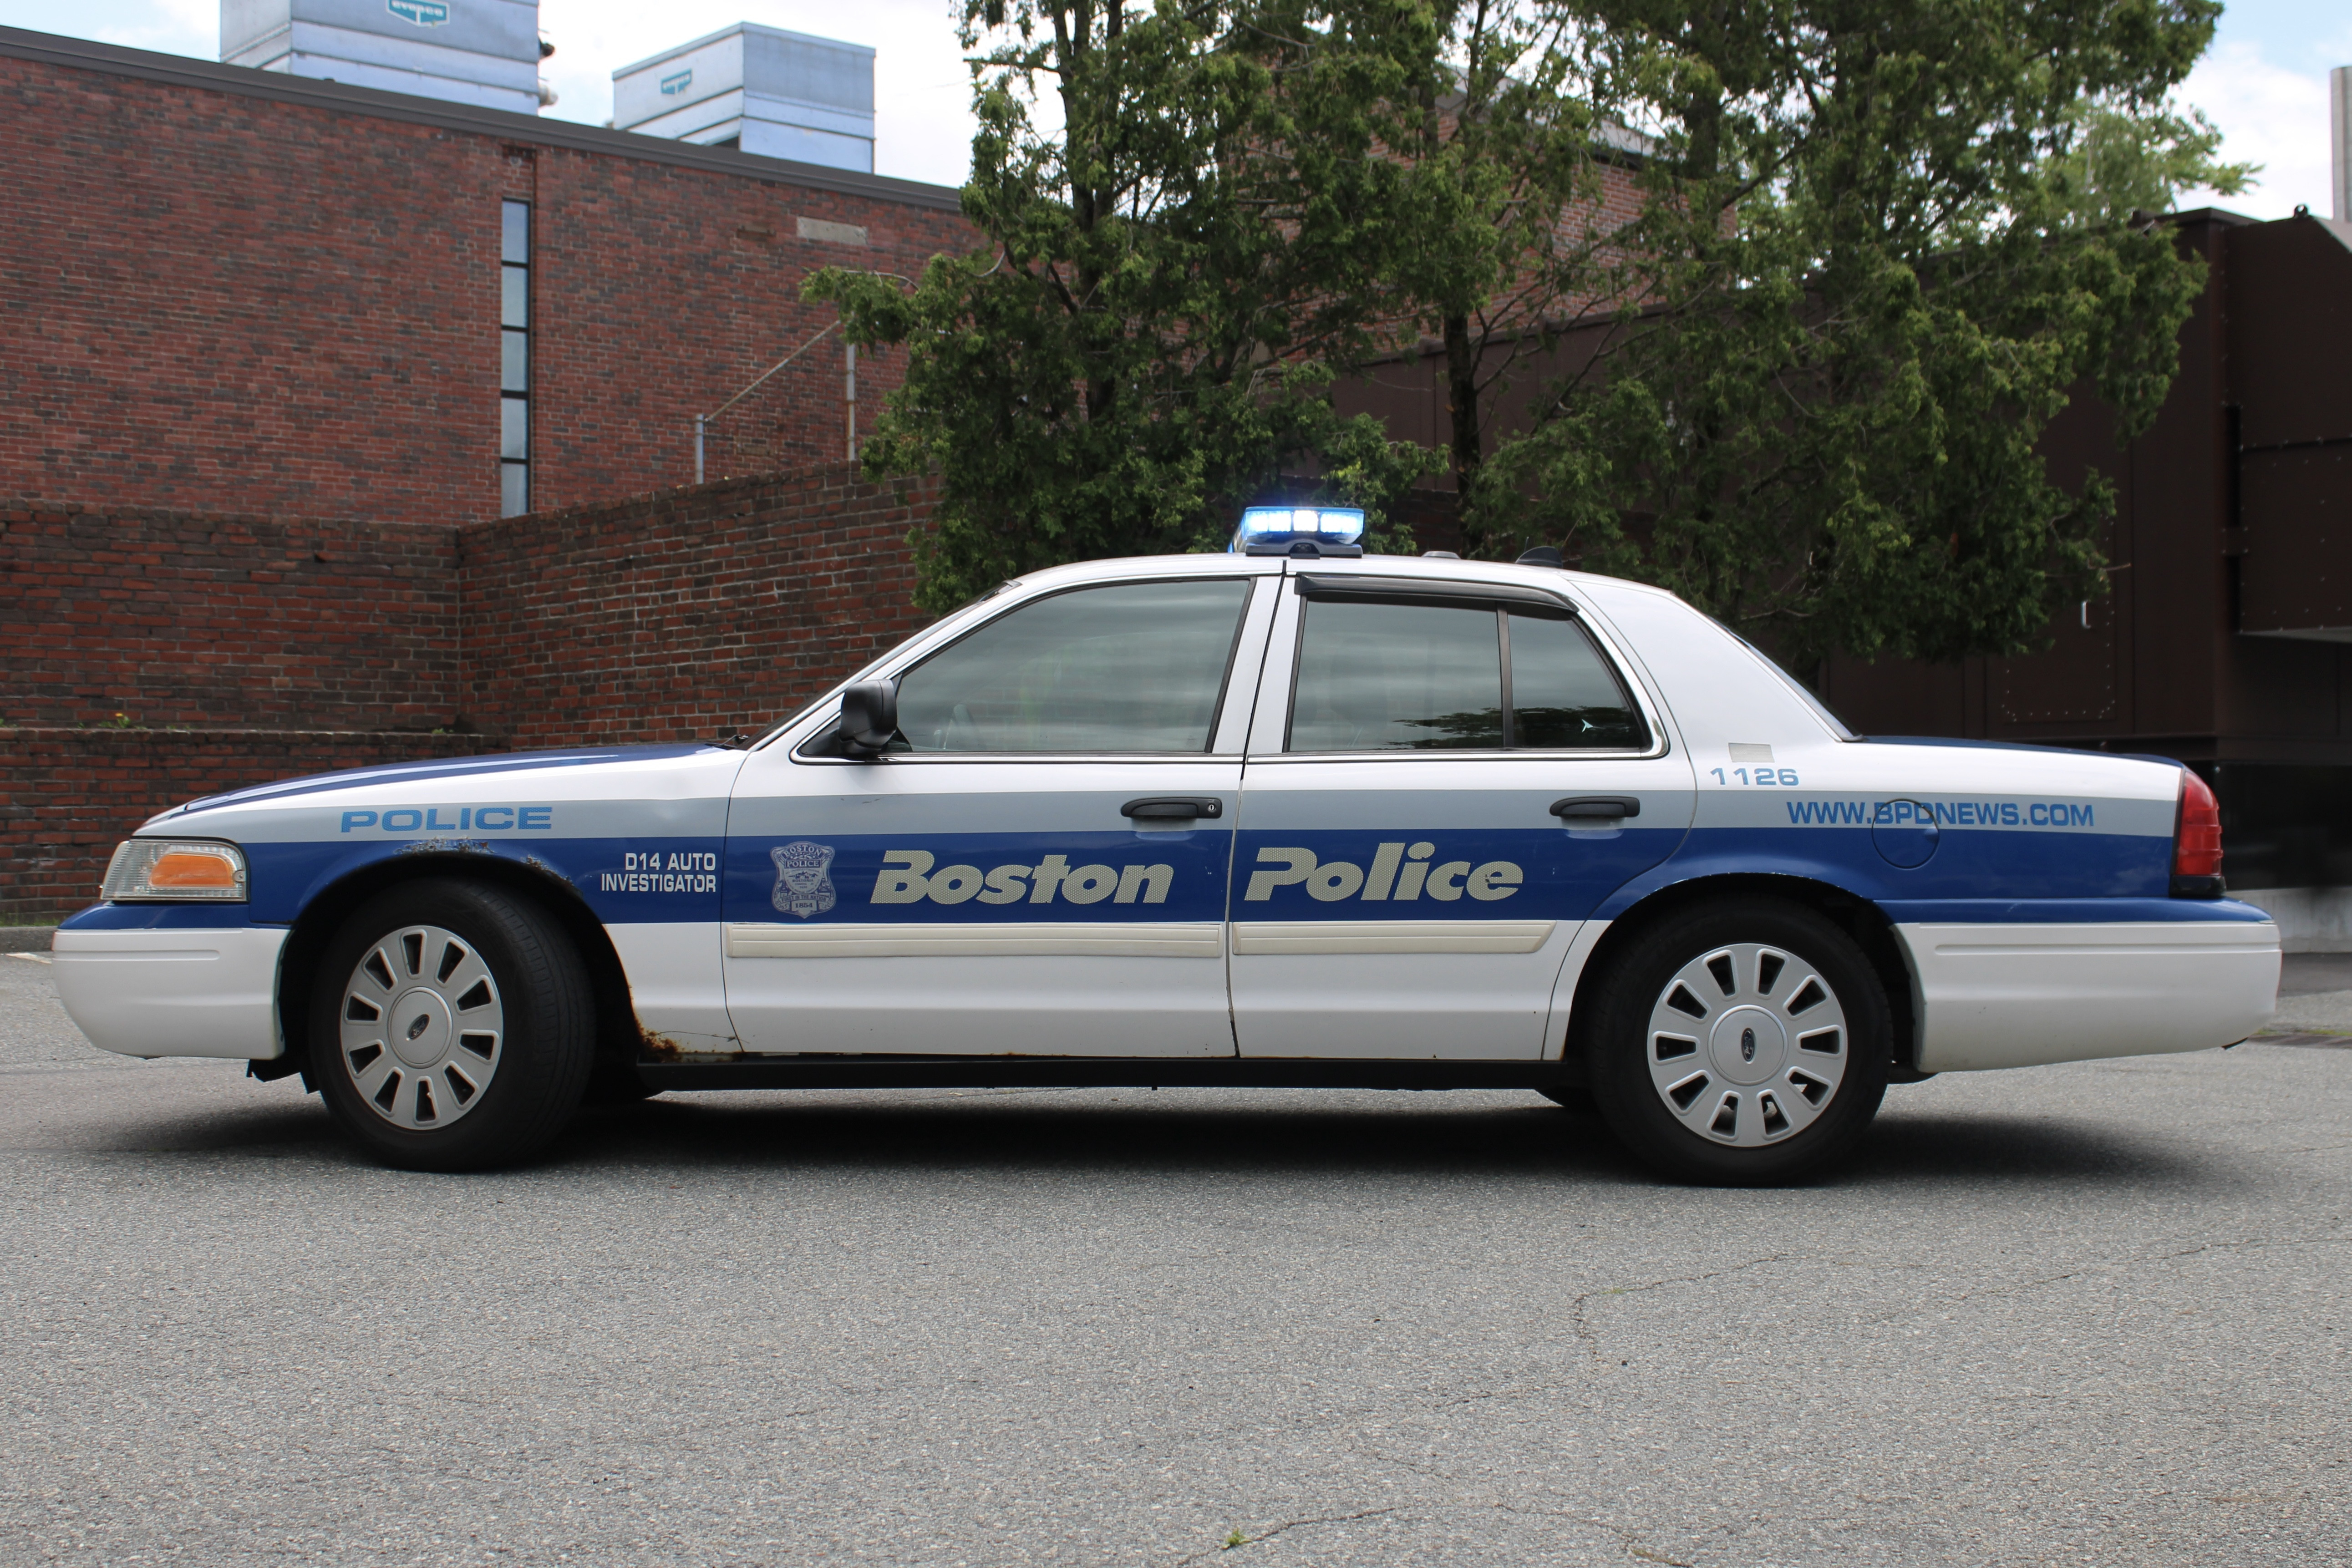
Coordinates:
column 1747, row 1044
column 422, row 1027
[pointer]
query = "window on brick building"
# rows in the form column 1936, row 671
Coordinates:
column 514, row 359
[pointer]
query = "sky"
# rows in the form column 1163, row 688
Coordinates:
column 2264, row 82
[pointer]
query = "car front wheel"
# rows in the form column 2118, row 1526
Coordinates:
column 1742, row 1043
column 451, row 1026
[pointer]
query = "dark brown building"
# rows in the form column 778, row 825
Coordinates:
column 2226, row 638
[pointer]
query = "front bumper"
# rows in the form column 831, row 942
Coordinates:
column 166, row 992
column 2027, row 994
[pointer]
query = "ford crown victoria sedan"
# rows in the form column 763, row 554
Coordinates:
column 1293, row 816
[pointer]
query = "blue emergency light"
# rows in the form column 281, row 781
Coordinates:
column 1300, row 530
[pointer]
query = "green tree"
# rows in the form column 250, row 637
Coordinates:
column 1173, row 275
column 1881, row 246
column 1502, row 170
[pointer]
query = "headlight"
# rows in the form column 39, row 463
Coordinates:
column 175, row 870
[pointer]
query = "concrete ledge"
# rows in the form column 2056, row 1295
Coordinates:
column 25, row 939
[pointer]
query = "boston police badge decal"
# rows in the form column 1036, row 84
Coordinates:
column 803, row 888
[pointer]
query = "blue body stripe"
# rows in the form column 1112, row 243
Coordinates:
column 165, row 917
column 2027, row 866
column 2063, row 877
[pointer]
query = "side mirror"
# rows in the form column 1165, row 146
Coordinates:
column 869, row 718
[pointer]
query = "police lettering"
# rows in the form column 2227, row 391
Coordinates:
column 907, row 878
column 1399, row 871
column 458, row 819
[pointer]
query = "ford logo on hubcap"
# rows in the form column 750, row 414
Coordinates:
column 1747, row 1043
column 424, row 1018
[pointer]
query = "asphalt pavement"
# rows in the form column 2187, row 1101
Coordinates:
column 2086, row 1314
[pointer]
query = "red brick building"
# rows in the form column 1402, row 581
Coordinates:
column 237, row 290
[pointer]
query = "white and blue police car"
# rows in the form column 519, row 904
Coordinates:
column 1291, row 816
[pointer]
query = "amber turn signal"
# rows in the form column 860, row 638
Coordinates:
column 163, row 870
column 193, row 869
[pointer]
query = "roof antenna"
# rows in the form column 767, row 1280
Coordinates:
column 1543, row 555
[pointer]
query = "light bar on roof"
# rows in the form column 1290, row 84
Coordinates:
column 1300, row 530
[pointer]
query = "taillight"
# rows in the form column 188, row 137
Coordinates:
column 2197, row 840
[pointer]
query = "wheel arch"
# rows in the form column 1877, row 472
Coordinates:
column 1856, row 916
column 306, row 945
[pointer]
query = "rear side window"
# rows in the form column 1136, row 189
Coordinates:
column 1438, row 677
column 1563, row 693
column 1128, row 667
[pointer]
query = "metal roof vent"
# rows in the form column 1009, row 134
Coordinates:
column 761, row 89
column 482, row 52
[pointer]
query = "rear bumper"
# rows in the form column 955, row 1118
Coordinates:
column 173, row 993
column 2025, row 994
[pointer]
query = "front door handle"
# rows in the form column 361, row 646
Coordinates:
column 1588, row 807
column 1173, row 807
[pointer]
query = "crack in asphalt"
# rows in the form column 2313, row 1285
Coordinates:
column 2119, row 1265
column 1585, row 1331
column 1631, row 1541
column 1231, row 1545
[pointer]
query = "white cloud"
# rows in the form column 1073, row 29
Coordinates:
column 2272, row 115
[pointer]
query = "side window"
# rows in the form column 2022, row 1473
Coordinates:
column 1436, row 677
column 1381, row 677
column 1563, row 693
column 1132, row 666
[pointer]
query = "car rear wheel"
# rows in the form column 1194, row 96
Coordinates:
column 451, row 1026
column 1744, row 1043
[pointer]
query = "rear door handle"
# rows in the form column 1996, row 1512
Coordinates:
column 1586, row 807
column 1173, row 807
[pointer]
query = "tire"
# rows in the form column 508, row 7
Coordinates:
column 1741, row 1044
column 452, row 1027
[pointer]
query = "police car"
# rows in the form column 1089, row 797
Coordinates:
column 1290, row 815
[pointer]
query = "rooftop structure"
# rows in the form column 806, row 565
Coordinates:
column 759, row 90
column 482, row 52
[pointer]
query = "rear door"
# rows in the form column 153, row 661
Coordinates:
column 1443, row 782
column 1040, row 869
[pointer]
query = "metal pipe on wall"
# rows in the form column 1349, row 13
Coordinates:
column 2339, row 140
column 851, row 402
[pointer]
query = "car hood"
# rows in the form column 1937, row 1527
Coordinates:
column 435, row 770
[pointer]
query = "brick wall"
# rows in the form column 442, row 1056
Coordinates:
column 216, row 299
column 655, row 618
column 178, row 618
column 68, row 796
column 669, row 615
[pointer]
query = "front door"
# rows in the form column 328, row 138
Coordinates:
column 1040, row 870
column 1444, row 781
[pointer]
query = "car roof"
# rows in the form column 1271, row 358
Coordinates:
column 1441, row 568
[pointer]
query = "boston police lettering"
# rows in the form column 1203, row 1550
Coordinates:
column 907, row 878
column 1398, row 871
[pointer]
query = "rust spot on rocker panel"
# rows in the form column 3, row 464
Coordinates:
column 656, row 1048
